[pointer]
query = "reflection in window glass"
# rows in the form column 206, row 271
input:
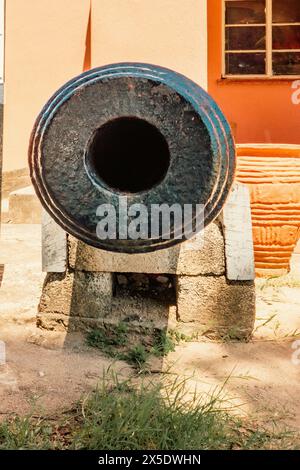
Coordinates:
column 286, row 63
column 248, row 24
column 245, row 38
column 286, row 11
column 286, row 37
column 245, row 12
column 245, row 64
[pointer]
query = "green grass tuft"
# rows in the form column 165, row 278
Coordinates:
column 163, row 344
column 120, row 415
column 136, row 356
column 25, row 433
column 107, row 339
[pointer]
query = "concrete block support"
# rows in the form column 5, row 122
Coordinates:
column 205, row 258
column 215, row 293
column 216, row 307
column 74, row 294
column 237, row 226
column 24, row 206
column 54, row 246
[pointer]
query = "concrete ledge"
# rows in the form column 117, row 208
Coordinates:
column 54, row 246
column 4, row 211
column 24, row 207
column 136, row 324
column 237, row 227
column 182, row 259
column 14, row 179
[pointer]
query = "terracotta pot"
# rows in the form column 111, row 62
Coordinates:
column 272, row 172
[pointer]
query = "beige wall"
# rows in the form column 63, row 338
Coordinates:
column 44, row 47
column 171, row 33
column 46, row 43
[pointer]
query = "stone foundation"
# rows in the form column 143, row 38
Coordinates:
column 215, row 306
column 14, row 180
column 206, row 302
column 24, row 207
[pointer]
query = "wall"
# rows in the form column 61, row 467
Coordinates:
column 50, row 41
column 1, row 85
column 44, row 47
column 1, row 41
column 172, row 33
column 261, row 110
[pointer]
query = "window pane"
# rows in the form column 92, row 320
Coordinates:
column 286, row 11
column 286, row 63
column 286, row 37
column 245, row 38
column 245, row 63
column 245, row 12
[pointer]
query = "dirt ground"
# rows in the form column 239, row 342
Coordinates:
column 47, row 371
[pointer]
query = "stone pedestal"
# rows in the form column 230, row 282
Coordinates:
column 214, row 306
column 214, row 283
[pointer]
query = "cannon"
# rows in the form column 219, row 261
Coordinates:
column 130, row 130
column 144, row 137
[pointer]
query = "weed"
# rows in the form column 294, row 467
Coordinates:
column 136, row 356
column 108, row 338
column 121, row 415
column 163, row 344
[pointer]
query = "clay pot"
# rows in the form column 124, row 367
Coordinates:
column 272, row 173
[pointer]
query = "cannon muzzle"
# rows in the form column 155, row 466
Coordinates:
column 135, row 135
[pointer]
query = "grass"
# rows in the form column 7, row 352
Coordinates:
column 276, row 327
column 119, row 415
column 163, row 344
column 114, row 342
column 107, row 337
column 256, row 439
column 265, row 321
column 136, row 356
column 25, row 433
column 149, row 417
column 289, row 280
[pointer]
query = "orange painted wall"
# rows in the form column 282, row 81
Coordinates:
column 262, row 110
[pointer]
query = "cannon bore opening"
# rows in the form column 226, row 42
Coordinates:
column 128, row 154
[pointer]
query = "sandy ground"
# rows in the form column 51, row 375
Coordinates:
column 49, row 371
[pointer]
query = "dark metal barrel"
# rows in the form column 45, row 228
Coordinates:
column 130, row 131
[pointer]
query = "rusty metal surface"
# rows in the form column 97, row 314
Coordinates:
column 201, row 149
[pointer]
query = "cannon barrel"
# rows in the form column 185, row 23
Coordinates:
column 130, row 131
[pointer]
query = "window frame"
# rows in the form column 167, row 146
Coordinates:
column 269, row 48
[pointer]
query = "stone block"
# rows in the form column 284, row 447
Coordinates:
column 15, row 179
column 186, row 258
column 77, row 294
column 216, row 306
column 237, row 227
column 24, row 207
column 54, row 246
column 144, row 312
column 141, row 315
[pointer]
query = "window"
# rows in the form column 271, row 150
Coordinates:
column 262, row 38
